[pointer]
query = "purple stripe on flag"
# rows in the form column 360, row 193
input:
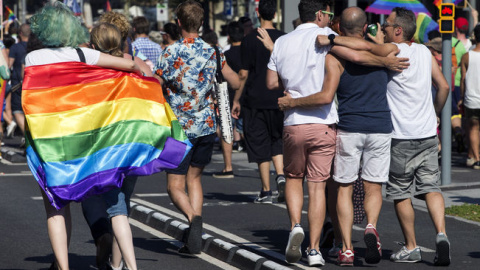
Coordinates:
column 101, row 182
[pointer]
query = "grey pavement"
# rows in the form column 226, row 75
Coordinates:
column 249, row 236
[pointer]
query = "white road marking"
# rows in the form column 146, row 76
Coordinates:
column 178, row 244
column 16, row 174
column 37, row 198
column 145, row 195
column 232, row 237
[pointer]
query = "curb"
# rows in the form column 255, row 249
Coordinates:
column 12, row 156
column 220, row 249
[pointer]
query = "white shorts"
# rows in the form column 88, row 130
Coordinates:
column 372, row 148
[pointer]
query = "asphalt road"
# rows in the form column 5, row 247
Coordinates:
column 229, row 214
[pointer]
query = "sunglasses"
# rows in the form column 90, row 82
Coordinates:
column 330, row 14
column 385, row 25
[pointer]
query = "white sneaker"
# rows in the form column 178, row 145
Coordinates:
column 11, row 128
column 293, row 252
column 470, row 162
column 314, row 258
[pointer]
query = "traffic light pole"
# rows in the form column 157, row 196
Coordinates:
column 446, row 131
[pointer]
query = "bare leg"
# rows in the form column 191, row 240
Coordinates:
column 264, row 170
column 345, row 214
column 227, row 155
column 294, row 199
column 59, row 231
column 406, row 217
column 373, row 201
column 332, row 188
column 278, row 163
column 8, row 109
column 194, row 187
column 20, row 119
column 436, row 208
column 123, row 235
column 116, row 254
column 474, row 139
column 176, row 191
column 316, row 211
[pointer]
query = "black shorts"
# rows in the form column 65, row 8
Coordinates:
column 472, row 114
column 199, row 156
column 263, row 130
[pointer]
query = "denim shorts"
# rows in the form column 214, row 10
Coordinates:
column 414, row 168
column 118, row 199
column 199, row 156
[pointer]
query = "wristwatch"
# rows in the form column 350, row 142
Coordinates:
column 331, row 37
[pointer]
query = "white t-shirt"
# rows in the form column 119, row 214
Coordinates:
column 59, row 55
column 472, row 81
column 301, row 66
column 410, row 97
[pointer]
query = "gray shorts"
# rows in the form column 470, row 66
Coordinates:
column 413, row 168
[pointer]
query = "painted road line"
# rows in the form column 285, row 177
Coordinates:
column 232, row 237
column 146, row 195
column 178, row 244
column 16, row 174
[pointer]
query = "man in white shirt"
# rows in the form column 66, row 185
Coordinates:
column 309, row 133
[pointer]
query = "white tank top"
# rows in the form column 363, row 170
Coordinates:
column 472, row 81
column 409, row 95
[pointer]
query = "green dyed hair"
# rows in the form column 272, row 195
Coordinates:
column 56, row 26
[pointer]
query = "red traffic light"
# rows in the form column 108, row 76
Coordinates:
column 447, row 10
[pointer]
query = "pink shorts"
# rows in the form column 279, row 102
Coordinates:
column 308, row 150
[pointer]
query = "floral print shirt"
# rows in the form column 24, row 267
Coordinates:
column 188, row 68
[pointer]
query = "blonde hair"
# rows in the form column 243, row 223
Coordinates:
column 119, row 20
column 107, row 39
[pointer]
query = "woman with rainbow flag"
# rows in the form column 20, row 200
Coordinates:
column 88, row 126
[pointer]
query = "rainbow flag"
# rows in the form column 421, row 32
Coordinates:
column 386, row 6
column 89, row 127
column 425, row 24
column 11, row 15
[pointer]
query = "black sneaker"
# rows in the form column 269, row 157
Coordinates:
column 265, row 197
column 194, row 238
column 280, row 187
column 223, row 174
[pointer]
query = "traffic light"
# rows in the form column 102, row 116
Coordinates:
column 446, row 23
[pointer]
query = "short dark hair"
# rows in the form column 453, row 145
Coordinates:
column 190, row 15
column 267, row 9
column 476, row 33
column 141, row 25
column 307, row 9
column 405, row 18
column 235, row 31
column 173, row 30
column 210, row 37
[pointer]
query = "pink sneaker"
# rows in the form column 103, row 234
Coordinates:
column 374, row 247
column 345, row 258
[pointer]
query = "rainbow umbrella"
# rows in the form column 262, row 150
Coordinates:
column 386, row 6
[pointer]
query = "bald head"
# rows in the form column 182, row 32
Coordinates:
column 352, row 21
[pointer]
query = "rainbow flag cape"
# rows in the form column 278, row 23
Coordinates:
column 89, row 127
column 425, row 24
